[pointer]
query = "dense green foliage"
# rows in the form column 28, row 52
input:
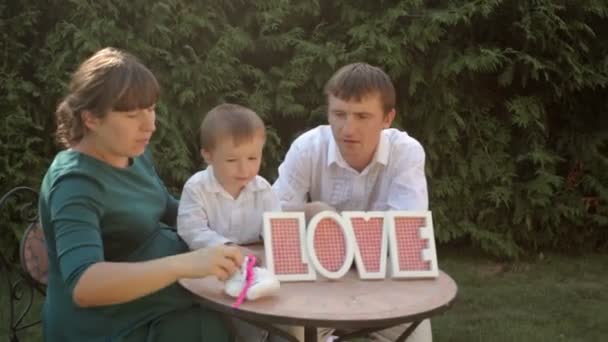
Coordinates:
column 508, row 97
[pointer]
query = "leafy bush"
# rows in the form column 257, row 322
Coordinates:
column 508, row 97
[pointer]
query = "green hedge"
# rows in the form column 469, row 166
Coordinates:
column 508, row 97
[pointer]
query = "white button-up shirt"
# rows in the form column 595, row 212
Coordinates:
column 394, row 179
column 209, row 216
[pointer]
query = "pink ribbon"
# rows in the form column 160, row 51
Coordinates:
column 248, row 280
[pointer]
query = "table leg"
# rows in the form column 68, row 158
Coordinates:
column 310, row 334
column 273, row 330
column 365, row 332
column 408, row 331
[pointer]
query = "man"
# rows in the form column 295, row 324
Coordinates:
column 357, row 162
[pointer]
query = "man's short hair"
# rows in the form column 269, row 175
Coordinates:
column 229, row 120
column 357, row 80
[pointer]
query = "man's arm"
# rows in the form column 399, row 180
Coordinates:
column 408, row 189
column 313, row 208
column 294, row 181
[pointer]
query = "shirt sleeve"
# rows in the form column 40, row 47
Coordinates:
column 271, row 203
column 293, row 184
column 170, row 214
column 75, row 204
column 408, row 190
column 192, row 220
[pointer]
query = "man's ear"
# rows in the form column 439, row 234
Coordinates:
column 90, row 121
column 388, row 118
column 206, row 155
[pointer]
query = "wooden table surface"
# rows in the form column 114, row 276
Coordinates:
column 348, row 302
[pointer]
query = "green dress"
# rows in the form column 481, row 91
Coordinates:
column 91, row 212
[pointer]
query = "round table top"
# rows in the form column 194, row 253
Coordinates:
column 348, row 302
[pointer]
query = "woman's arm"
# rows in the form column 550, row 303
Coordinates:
column 76, row 207
column 106, row 283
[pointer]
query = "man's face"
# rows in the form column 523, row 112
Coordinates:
column 356, row 126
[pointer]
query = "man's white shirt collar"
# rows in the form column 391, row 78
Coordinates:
column 381, row 156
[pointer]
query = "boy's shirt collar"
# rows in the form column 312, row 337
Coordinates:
column 211, row 183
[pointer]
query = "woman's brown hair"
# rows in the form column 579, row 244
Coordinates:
column 110, row 80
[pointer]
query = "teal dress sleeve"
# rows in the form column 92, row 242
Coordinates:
column 170, row 216
column 75, row 209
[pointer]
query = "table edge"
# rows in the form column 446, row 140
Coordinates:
column 339, row 324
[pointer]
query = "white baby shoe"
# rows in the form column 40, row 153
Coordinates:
column 263, row 283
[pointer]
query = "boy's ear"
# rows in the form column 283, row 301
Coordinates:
column 206, row 155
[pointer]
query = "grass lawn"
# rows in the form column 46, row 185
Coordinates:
column 30, row 334
column 556, row 298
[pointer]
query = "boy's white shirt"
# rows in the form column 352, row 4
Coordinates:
column 394, row 180
column 209, row 216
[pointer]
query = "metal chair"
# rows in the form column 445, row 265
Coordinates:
column 27, row 276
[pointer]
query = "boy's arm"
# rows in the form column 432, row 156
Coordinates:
column 192, row 222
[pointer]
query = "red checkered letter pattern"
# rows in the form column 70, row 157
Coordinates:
column 410, row 245
column 368, row 234
column 286, row 247
column 330, row 244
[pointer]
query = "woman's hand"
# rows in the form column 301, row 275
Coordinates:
column 220, row 261
column 99, row 284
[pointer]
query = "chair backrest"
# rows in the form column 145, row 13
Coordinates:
column 19, row 206
column 33, row 254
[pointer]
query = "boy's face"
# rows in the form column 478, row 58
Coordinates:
column 356, row 127
column 234, row 166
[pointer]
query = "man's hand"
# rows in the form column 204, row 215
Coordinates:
column 313, row 208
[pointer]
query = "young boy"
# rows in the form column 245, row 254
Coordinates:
column 224, row 204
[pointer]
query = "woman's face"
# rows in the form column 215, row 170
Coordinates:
column 121, row 135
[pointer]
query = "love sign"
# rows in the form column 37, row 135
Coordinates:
column 331, row 241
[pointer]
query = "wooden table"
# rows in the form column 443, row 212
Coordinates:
column 348, row 303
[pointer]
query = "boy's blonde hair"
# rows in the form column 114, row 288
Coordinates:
column 229, row 120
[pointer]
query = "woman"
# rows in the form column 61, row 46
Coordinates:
column 113, row 258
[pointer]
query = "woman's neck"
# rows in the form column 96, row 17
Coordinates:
column 92, row 149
